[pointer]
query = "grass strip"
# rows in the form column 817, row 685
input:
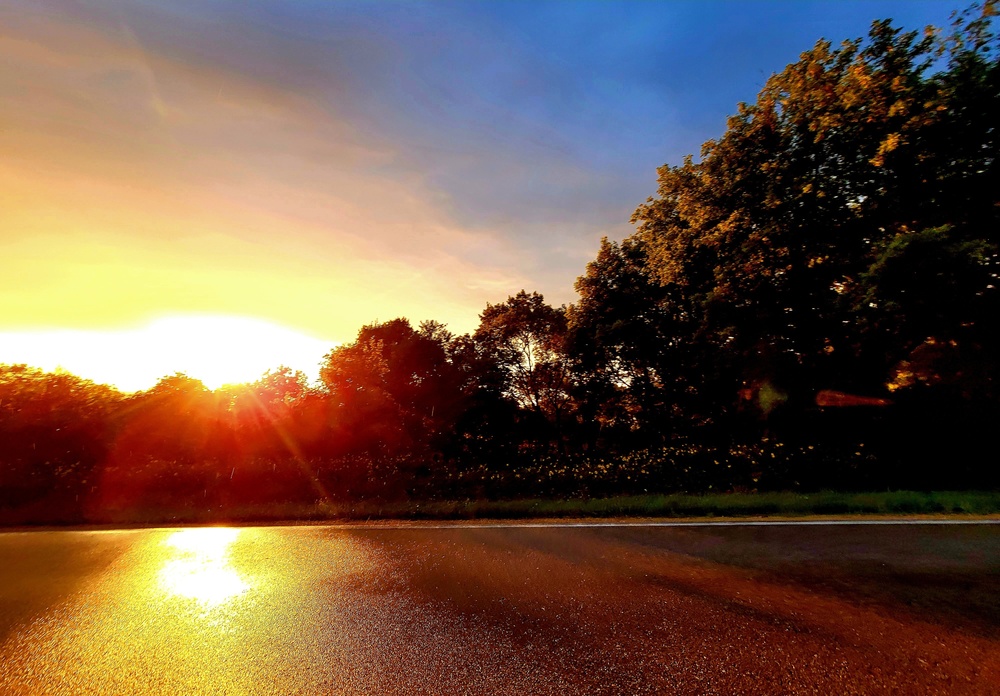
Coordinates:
column 677, row 505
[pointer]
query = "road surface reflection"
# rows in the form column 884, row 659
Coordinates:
column 314, row 610
column 197, row 566
column 201, row 610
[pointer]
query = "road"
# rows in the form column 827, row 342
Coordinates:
column 446, row 609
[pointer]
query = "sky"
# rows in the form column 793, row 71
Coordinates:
column 207, row 186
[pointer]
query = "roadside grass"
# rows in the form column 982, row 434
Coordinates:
column 712, row 505
column 774, row 504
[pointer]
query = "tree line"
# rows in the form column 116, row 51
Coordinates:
column 811, row 302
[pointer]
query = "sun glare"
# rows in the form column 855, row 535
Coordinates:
column 199, row 567
column 215, row 349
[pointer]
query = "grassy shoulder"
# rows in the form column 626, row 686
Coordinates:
column 729, row 505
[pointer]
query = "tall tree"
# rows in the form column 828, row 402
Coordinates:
column 787, row 219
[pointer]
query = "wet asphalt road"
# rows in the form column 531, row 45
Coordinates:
column 454, row 610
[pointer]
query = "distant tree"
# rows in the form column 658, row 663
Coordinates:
column 265, row 417
column 633, row 341
column 54, row 429
column 280, row 386
column 398, row 393
column 172, row 421
column 526, row 337
column 366, row 415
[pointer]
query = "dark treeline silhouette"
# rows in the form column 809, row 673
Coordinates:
column 812, row 303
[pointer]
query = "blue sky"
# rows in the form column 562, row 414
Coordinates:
column 542, row 122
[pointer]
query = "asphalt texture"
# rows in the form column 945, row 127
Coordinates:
column 840, row 609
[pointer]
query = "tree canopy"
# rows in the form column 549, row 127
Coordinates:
column 846, row 218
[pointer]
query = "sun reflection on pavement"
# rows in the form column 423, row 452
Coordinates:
column 249, row 611
column 198, row 566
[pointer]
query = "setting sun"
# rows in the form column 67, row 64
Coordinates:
column 215, row 349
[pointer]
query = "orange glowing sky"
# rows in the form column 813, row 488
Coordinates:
column 298, row 170
column 136, row 185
